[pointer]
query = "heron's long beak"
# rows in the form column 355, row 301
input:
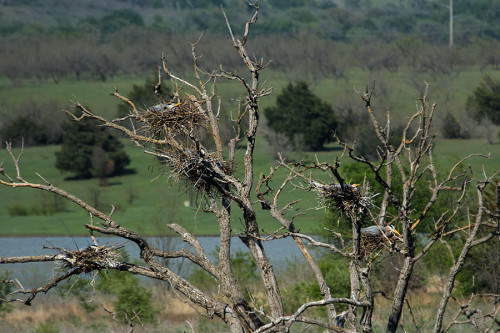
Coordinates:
column 396, row 232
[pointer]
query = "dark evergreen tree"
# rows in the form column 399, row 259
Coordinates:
column 485, row 101
column 302, row 116
column 89, row 150
column 452, row 129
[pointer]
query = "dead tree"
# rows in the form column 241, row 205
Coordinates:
column 184, row 134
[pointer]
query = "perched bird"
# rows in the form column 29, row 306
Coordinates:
column 164, row 107
column 376, row 231
column 346, row 186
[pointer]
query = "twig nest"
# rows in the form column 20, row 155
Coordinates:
column 199, row 166
column 172, row 116
column 374, row 238
column 348, row 198
column 91, row 258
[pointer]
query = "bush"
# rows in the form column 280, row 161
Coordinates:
column 485, row 101
column 5, row 289
column 45, row 205
column 132, row 299
column 242, row 264
column 336, row 273
column 481, row 271
column 452, row 129
column 46, row 328
column 35, row 123
column 368, row 143
column 302, row 117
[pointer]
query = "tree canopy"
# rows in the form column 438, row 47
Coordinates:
column 302, row 117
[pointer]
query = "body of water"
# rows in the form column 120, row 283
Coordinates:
column 280, row 252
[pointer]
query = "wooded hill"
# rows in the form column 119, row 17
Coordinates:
column 331, row 19
column 49, row 40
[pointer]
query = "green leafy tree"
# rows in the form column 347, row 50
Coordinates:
column 299, row 114
column 89, row 150
column 485, row 101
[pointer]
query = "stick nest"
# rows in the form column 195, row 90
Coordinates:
column 348, row 199
column 370, row 244
column 172, row 116
column 91, row 258
column 200, row 167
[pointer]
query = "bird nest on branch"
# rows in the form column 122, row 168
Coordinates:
column 198, row 166
column 171, row 116
column 348, row 199
column 375, row 238
column 370, row 244
column 91, row 258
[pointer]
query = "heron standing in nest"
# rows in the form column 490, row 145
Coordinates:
column 374, row 237
column 376, row 231
column 164, row 107
column 346, row 187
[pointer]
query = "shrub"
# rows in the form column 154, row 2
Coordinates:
column 243, row 266
column 35, row 123
column 485, row 101
column 336, row 273
column 5, row 289
column 132, row 299
column 46, row 328
column 452, row 129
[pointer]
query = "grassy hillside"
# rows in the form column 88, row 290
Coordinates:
column 146, row 201
column 395, row 91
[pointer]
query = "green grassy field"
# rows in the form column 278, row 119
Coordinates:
column 147, row 201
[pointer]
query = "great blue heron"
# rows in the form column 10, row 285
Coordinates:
column 164, row 107
column 346, row 186
column 376, row 231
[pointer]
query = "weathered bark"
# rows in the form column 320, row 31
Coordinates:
column 400, row 294
column 459, row 263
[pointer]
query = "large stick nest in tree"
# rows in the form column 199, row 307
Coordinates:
column 369, row 244
column 91, row 258
column 197, row 165
column 185, row 114
column 348, row 199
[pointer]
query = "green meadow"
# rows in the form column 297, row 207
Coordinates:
column 147, row 200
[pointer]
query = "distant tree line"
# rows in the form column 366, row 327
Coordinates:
column 320, row 36
column 344, row 21
column 54, row 57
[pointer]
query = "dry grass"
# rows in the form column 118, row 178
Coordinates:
column 48, row 309
column 67, row 314
column 424, row 304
